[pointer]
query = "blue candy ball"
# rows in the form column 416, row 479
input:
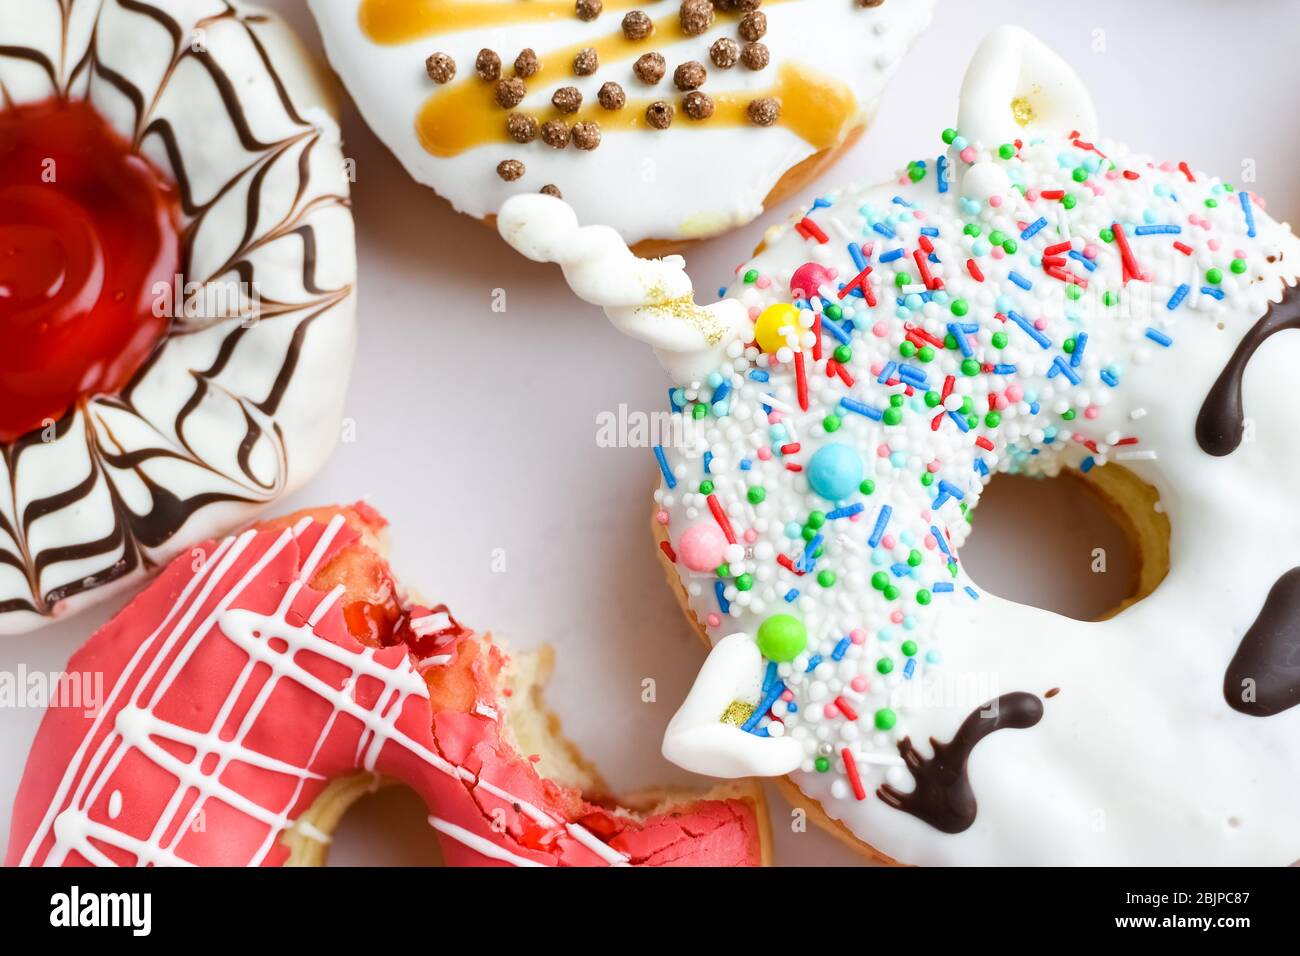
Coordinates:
column 835, row 471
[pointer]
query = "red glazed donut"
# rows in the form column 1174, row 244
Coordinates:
column 266, row 681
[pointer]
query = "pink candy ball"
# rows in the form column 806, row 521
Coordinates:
column 808, row 278
column 702, row 546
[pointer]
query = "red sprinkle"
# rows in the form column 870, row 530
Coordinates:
column 859, row 281
column 932, row 282
column 810, row 230
column 817, row 341
column 791, row 448
column 1058, row 249
column 667, row 549
column 984, row 443
column 844, row 375
column 801, row 380
column 845, row 708
column 721, row 518
column 974, row 270
column 1186, row 171
column 1183, row 247
column 785, row 562
column 1131, row 268
column 851, row 768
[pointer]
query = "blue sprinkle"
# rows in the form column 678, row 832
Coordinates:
column 775, row 691
column 1080, row 343
column 914, row 376
column 672, row 400
column 821, row 204
column 980, row 467
column 887, row 373
column 950, row 488
column 1002, row 368
column 1176, row 299
column 859, row 260
column 943, row 545
column 722, row 391
column 1061, row 367
column 708, row 460
column 955, row 330
column 960, row 420
column 1157, row 230
column 1155, row 335
column 746, row 464
column 929, row 231
column 758, row 375
column 975, row 595
column 861, row 408
column 769, row 676
column 881, row 229
column 835, row 330
column 882, row 520
column 1212, row 292
column 846, row 512
column 791, row 595
column 1020, row 280
column 1249, row 210
column 909, row 668
column 891, row 255
column 1086, row 465
column 669, row 480
column 841, row 648
column 941, row 173
column 1108, row 377
column 899, row 200
column 813, row 663
column 1080, row 257
column 941, row 587
column 1034, row 228
column 1029, row 329
column 901, row 569
column 718, row 589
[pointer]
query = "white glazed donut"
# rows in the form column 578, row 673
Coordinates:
column 817, row 509
column 826, row 61
column 240, row 401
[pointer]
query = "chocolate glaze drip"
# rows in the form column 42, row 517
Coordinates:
column 943, row 796
column 130, row 544
column 1263, row 677
column 1220, row 424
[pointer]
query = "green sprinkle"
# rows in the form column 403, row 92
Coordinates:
column 745, row 582
column 927, row 479
column 706, row 487
column 885, row 719
column 959, row 307
column 1109, row 298
column 1211, row 204
column 843, row 354
column 909, row 647
column 867, row 486
column 756, row 495
column 972, row 229
column 831, row 423
column 885, row 665
column 826, row 578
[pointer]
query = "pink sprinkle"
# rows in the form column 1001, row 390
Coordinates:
column 1090, row 251
column 714, row 620
column 968, row 154
column 888, row 542
column 763, row 282
column 930, row 543
column 662, row 517
column 998, row 253
column 995, row 201
column 1213, row 244
column 882, row 451
column 754, row 313
column 764, row 454
column 896, row 617
column 860, row 684
column 1032, row 194
column 858, row 636
column 787, row 695
column 880, row 330
column 1015, row 393
column 1040, row 323
column 933, row 466
column 830, row 711
column 1092, row 411
column 750, row 535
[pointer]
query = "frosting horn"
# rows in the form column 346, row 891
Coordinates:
column 649, row 299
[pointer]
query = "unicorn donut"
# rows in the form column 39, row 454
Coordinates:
column 1026, row 297
column 262, row 685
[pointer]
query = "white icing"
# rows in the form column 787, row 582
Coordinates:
column 684, row 182
column 1139, row 759
column 303, row 197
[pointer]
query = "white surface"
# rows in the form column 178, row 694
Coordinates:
column 476, row 430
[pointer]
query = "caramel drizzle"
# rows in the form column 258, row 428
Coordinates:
column 127, row 547
column 817, row 108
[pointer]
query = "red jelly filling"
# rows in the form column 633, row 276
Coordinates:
column 88, row 230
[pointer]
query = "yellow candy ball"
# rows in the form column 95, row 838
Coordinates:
column 769, row 324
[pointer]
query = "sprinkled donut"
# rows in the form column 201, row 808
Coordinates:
column 1026, row 297
column 177, row 307
column 256, row 691
column 669, row 121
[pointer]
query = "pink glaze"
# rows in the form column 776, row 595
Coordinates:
column 172, row 660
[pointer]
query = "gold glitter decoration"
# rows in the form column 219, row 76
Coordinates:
column 1023, row 110
column 685, row 310
column 737, row 713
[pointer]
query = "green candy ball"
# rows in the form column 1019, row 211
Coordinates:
column 782, row 638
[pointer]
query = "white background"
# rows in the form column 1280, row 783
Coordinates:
column 475, row 430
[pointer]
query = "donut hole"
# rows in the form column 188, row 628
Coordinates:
column 1084, row 548
column 386, row 827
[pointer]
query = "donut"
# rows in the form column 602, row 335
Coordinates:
column 1025, row 297
column 177, row 311
column 253, row 692
column 668, row 123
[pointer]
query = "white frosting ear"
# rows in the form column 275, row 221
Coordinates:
column 1016, row 87
column 698, row 740
column 649, row 299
